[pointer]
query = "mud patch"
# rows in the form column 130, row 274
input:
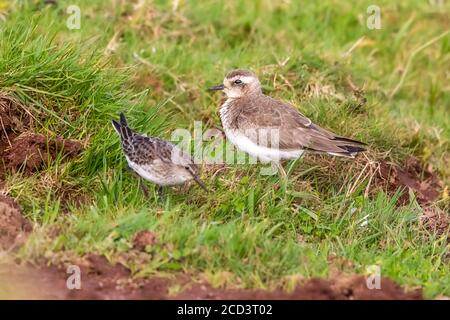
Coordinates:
column 31, row 151
column 101, row 280
column 143, row 238
column 14, row 228
column 412, row 175
column 20, row 147
column 436, row 221
column 343, row 287
column 14, row 118
column 144, row 80
column 354, row 287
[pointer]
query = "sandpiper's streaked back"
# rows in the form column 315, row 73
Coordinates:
column 154, row 159
column 270, row 129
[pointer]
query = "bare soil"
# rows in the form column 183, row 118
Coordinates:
column 14, row 228
column 144, row 238
column 411, row 175
column 31, row 151
column 20, row 147
column 101, row 280
column 436, row 221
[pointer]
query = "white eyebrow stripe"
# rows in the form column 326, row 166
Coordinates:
column 247, row 79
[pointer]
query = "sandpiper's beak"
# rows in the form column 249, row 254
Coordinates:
column 200, row 183
column 217, row 88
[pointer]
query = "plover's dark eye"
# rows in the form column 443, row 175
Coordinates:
column 238, row 81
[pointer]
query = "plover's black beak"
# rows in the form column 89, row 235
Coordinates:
column 217, row 88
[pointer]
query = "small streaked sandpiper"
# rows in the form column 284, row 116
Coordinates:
column 156, row 160
column 271, row 129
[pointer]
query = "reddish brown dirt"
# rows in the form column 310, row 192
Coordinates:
column 145, row 80
column 344, row 287
column 70, row 197
column 31, row 151
column 13, row 117
column 20, row 148
column 411, row 175
column 101, row 280
column 143, row 238
column 14, row 228
column 436, row 221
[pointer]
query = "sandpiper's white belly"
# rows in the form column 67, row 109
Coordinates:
column 159, row 175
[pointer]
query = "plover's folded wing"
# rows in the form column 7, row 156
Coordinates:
column 288, row 129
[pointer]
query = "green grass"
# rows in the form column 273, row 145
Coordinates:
column 252, row 231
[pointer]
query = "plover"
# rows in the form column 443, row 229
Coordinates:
column 270, row 129
column 156, row 160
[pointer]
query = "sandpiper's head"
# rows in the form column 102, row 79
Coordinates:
column 239, row 83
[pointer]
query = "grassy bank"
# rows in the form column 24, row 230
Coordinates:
column 387, row 87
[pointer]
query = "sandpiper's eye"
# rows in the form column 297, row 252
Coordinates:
column 238, row 81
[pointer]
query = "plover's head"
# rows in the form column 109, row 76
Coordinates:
column 239, row 83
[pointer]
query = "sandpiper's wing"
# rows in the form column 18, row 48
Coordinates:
column 148, row 151
column 295, row 130
column 180, row 158
column 152, row 149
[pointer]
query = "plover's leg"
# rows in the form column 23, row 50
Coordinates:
column 283, row 177
column 281, row 170
column 293, row 164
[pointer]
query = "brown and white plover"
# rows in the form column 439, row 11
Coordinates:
column 156, row 160
column 248, row 114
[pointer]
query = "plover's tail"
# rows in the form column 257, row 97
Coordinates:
column 122, row 128
column 350, row 153
column 350, row 148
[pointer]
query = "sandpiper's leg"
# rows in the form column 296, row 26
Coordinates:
column 144, row 188
column 141, row 182
column 161, row 196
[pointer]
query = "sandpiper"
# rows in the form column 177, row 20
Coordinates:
column 156, row 160
column 271, row 129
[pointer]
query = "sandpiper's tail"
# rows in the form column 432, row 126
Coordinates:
column 122, row 128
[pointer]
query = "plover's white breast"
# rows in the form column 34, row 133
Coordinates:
column 242, row 141
column 264, row 153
